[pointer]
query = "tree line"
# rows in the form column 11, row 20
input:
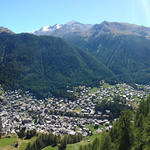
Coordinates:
column 49, row 139
column 0, row 128
column 131, row 131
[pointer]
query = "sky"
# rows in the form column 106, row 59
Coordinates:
column 28, row 15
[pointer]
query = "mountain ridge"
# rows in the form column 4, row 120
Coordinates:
column 124, row 48
column 5, row 30
column 104, row 27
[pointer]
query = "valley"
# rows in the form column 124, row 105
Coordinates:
column 75, row 75
column 75, row 87
column 93, row 111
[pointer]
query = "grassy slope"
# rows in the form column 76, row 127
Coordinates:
column 76, row 146
column 50, row 148
column 7, row 143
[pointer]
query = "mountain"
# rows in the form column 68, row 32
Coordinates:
column 127, row 56
column 123, row 48
column 74, row 27
column 46, row 64
column 58, row 30
column 2, row 29
column 47, row 29
column 120, row 28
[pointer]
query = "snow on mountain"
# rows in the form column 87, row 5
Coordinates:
column 77, row 29
column 51, row 28
column 48, row 28
column 61, row 30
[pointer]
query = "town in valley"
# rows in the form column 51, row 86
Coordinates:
column 60, row 116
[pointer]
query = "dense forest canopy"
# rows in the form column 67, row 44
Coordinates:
column 45, row 65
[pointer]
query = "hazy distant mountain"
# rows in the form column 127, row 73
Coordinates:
column 2, row 29
column 72, row 27
column 123, row 48
column 88, row 29
column 46, row 64
column 120, row 28
column 47, row 29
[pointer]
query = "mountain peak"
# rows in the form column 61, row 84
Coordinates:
column 47, row 28
column 73, row 22
column 105, row 22
column 6, row 30
column 77, row 28
column 60, row 30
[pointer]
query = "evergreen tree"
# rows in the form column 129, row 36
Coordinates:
column 81, row 147
column 126, row 133
column 105, row 142
column 30, row 134
column 96, row 144
column 28, row 147
column 146, row 133
column 139, row 127
column 0, row 127
column 122, row 131
column 62, row 145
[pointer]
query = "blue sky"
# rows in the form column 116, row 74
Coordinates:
column 28, row 15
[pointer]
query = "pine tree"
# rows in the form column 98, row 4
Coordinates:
column 105, row 142
column 122, row 132
column 0, row 128
column 139, row 127
column 96, row 144
column 28, row 147
column 126, row 133
column 146, row 133
column 81, row 147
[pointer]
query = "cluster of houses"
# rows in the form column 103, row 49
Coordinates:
column 61, row 115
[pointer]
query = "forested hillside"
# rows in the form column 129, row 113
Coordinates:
column 45, row 65
column 129, row 132
column 127, row 56
column 123, row 48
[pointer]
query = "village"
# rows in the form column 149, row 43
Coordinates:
column 63, row 116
